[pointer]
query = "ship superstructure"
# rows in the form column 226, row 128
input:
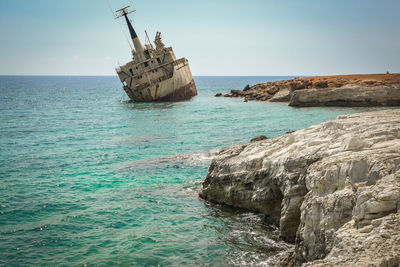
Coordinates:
column 154, row 74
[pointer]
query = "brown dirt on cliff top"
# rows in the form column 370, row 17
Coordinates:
column 386, row 78
column 335, row 81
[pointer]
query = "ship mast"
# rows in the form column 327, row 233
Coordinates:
column 123, row 12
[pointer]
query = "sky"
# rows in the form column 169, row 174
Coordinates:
column 219, row 37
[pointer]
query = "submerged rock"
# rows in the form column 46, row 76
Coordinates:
column 323, row 185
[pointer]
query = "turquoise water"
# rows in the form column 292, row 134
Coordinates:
column 87, row 177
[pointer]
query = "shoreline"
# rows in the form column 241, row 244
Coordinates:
column 355, row 90
column 333, row 188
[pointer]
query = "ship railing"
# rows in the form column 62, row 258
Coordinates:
column 179, row 61
column 153, row 81
column 162, row 78
column 176, row 62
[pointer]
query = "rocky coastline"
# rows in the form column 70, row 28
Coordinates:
column 333, row 188
column 340, row 90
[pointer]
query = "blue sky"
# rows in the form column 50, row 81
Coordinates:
column 219, row 37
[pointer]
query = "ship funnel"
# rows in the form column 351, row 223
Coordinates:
column 135, row 39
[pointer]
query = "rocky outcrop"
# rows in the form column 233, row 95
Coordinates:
column 258, row 138
column 340, row 90
column 327, row 186
column 282, row 96
column 348, row 96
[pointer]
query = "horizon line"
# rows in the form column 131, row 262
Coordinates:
column 76, row 75
column 280, row 75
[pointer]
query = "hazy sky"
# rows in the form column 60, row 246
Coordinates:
column 219, row 37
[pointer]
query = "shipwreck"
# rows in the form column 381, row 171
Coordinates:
column 154, row 74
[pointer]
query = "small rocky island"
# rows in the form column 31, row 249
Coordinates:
column 341, row 90
column 333, row 188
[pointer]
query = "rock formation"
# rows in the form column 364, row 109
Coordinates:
column 258, row 138
column 343, row 90
column 347, row 96
column 333, row 188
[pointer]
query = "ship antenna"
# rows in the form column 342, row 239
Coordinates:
column 126, row 37
column 123, row 12
column 148, row 40
column 139, row 49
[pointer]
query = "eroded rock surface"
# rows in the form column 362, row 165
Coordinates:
column 347, row 96
column 322, row 184
column 374, row 245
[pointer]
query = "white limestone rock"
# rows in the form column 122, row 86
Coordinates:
column 351, row 96
column 281, row 96
column 315, row 181
column 372, row 245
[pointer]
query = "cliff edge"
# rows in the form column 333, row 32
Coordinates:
column 340, row 90
column 333, row 188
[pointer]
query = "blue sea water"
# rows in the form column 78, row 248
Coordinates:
column 89, row 178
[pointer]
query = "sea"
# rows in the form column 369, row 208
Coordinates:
column 88, row 178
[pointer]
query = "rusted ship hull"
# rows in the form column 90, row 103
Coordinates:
column 180, row 86
column 184, row 93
